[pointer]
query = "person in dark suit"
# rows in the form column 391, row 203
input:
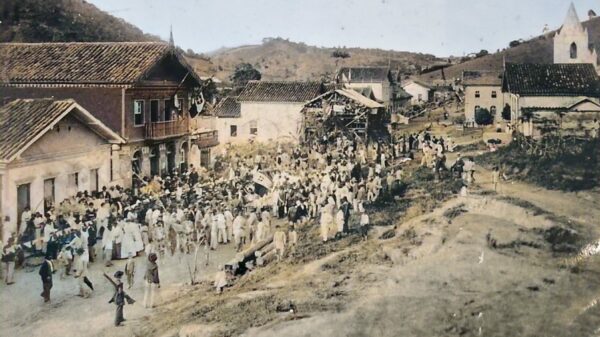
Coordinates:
column 46, row 270
column 119, row 297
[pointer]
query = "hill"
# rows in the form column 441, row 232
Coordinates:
column 536, row 50
column 63, row 21
column 280, row 59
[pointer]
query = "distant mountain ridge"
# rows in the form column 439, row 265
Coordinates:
column 281, row 59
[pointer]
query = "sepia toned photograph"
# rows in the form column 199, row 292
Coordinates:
column 303, row 168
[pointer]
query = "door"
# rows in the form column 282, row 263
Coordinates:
column 154, row 115
column 154, row 161
column 168, row 109
column 49, row 192
column 23, row 201
column 171, row 165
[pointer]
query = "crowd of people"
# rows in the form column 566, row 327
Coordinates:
column 246, row 198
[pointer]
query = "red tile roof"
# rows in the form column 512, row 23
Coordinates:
column 228, row 107
column 551, row 80
column 78, row 62
column 274, row 91
column 24, row 119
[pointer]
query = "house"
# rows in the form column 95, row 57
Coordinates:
column 379, row 79
column 49, row 150
column 532, row 88
column 421, row 92
column 343, row 111
column 483, row 90
column 264, row 111
column 572, row 42
column 145, row 91
column 581, row 119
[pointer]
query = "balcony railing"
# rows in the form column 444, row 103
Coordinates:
column 166, row 129
column 207, row 139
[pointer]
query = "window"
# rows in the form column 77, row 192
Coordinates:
column 253, row 128
column 493, row 110
column 477, row 94
column 73, row 183
column 48, row 194
column 138, row 112
column 233, row 130
column 154, row 117
column 94, row 180
column 494, row 94
column 180, row 104
column 573, row 50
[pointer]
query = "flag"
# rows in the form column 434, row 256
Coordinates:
column 262, row 180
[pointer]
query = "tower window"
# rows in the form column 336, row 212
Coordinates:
column 573, row 50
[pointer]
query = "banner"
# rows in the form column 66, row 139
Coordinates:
column 262, row 179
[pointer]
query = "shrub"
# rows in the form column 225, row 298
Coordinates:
column 483, row 117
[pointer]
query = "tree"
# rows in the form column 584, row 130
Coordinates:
column 243, row 73
column 506, row 113
column 482, row 53
column 340, row 54
column 483, row 117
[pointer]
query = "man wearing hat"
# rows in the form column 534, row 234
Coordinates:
column 119, row 297
column 46, row 270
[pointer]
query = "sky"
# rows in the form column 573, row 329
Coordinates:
column 439, row 27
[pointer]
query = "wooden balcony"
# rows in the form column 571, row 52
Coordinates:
column 207, row 139
column 167, row 129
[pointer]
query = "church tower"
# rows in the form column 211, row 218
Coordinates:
column 571, row 42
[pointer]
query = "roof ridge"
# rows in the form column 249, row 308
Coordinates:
column 84, row 43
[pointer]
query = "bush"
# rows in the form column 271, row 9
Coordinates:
column 506, row 115
column 483, row 117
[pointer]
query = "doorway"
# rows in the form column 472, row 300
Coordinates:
column 23, row 201
column 184, row 157
column 154, row 161
column 154, row 115
column 49, row 192
column 171, row 165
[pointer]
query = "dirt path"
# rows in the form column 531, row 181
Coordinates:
column 24, row 314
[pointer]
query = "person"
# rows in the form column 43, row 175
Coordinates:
column 119, row 297
column 9, row 256
column 46, row 270
column 293, row 238
column 81, row 273
column 279, row 241
column 220, row 280
column 130, row 270
column 152, row 281
column 495, row 177
column 364, row 224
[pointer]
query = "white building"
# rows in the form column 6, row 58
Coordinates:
column 530, row 88
column 421, row 93
column 572, row 42
column 50, row 150
column 264, row 111
column 378, row 79
column 483, row 90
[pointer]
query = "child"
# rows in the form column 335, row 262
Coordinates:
column 130, row 270
column 119, row 297
column 364, row 224
column 293, row 238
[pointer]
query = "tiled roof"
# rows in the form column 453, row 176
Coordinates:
column 364, row 74
column 551, row 80
column 78, row 62
column 22, row 120
column 228, row 107
column 482, row 78
column 273, row 91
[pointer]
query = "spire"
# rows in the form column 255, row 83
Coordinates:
column 572, row 20
column 171, row 40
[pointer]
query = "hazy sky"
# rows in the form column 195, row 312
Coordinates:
column 440, row 27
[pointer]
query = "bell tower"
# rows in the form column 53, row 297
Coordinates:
column 571, row 42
